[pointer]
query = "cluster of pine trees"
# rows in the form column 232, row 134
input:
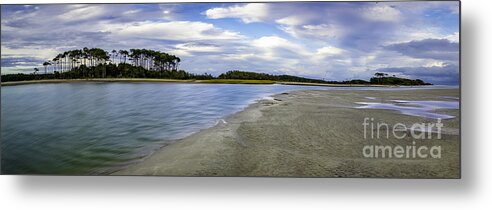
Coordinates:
column 147, row 59
column 98, row 63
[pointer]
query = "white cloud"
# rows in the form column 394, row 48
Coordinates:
column 455, row 37
column 407, row 34
column 248, row 13
column 290, row 21
column 298, row 26
column 131, row 12
column 81, row 12
column 173, row 30
column 40, row 53
column 186, row 49
column 321, row 31
column 434, row 63
column 273, row 47
column 329, row 51
column 273, row 42
column 192, row 47
column 382, row 13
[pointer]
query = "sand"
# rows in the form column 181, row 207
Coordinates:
column 315, row 133
column 211, row 81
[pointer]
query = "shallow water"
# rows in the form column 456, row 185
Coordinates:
column 97, row 128
column 427, row 109
column 81, row 128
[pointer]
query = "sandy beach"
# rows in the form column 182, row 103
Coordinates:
column 315, row 133
column 211, row 81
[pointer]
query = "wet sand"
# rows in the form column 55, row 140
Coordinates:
column 211, row 81
column 315, row 133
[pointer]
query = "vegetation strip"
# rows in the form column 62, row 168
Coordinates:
column 143, row 64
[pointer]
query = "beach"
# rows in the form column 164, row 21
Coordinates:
column 210, row 81
column 309, row 133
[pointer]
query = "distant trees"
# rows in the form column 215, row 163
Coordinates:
column 114, row 53
column 143, row 63
column 152, row 60
column 380, row 75
column 124, row 54
column 244, row 75
column 68, row 60
column 91, row 57
column 46, row 64
column 380, row 78
column 97, row 63
column 384, row 79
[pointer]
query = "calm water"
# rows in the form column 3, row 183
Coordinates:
column 94, row 128
column 426, row 109
column 85, row 128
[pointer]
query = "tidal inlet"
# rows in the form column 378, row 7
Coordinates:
column 289, row 89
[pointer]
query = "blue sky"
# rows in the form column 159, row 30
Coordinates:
column 325, row 40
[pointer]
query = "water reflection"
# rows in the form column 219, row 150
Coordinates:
column 425, row 109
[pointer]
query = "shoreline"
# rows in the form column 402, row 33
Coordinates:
column 215, row 81
column 263, row 140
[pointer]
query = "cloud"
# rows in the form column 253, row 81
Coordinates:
column 20, row 61
column 198, row 47
column 82, row 12
column 26, row 53
column 321, row 31
column 190, row 48
column 333, row 40
column 439, row 49
column 275, row 47
column 384, row 13
column 248, row 13
column 329, row 51
column 454, row 37
column 173, row 30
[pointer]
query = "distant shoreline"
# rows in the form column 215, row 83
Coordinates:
column 212, row 81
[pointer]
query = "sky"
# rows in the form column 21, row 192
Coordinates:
column 322, row 40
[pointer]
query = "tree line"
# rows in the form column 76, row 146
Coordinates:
column 386, row 79
column 98, row 63
column 244, row 75
column 378, row 79
column 147, row 59
column 88, row 63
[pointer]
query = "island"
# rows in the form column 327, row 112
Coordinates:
column 143, row 65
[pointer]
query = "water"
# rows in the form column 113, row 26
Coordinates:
column 425, row 109
column 97, row 128
column 87, row 128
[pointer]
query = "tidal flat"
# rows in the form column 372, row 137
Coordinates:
column 315, row 133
